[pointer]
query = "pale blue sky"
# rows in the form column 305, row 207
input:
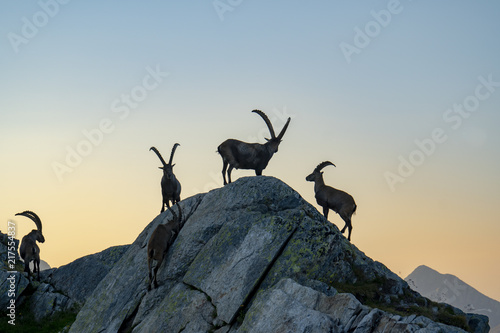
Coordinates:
column 283, row 57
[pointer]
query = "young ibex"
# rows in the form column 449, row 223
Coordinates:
column 29, row 249
column 330, row 198
column 170, row 186
column 253, row 156
column 159, row 243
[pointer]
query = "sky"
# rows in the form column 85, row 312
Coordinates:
column 403, row 96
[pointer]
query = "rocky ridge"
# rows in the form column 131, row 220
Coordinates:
column 252, row 256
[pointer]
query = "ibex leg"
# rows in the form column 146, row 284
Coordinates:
column 348, row 225
column 325, row 212
column 155, row 273
column 229, row 173
column 37, row 264
column 224, row 168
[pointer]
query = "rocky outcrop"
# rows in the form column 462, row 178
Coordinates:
column 78, row 279
column 66, row 289
column 291, row 307
column 253, row 256
column 59, row 289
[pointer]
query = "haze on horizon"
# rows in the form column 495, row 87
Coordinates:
column 403, row 96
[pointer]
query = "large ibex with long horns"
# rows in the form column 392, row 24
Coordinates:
column 328, row 197
column 170, row 186
column 29, row 249
column 253, row 156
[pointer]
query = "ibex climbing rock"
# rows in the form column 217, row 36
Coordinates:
column 170, row 186
column 252, row 156
column 29, row 249
column 330, row 198
column 160, row 241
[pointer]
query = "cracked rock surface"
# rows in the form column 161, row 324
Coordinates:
column 253, row 256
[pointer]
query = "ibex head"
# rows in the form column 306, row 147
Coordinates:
column 274, row 141
column 317, row 171
column 38, row 222
column 167, row 168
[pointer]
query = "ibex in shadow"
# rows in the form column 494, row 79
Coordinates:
column 29, row 249
column 252, row 156
column 330, row 198
column 159, row 243
column 170, row 186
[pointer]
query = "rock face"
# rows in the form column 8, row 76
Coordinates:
column 291, row 307
column 253, row 256
column 77, row 280
column 60, row 289
column 66, row 289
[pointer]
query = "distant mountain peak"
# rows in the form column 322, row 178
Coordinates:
column 447, row 288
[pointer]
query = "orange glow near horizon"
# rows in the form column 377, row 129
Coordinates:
column 82, row 104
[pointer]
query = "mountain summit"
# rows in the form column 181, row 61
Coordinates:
column 253, row 256
column 447, row 288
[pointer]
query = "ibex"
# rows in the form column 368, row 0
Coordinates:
column 330, row 198
column 170, row 186
column 253, row 156
column 159, row 243
column 29, row 249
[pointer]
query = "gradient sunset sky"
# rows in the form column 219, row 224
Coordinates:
column 403, row 96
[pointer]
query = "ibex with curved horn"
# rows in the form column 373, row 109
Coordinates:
column 170, row 186
column 330, row 198
column 252, row 156
column 160, row 241
column 29, row 249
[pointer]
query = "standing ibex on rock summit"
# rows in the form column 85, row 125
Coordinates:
column 170, row 186
column 29, row 249
column 330, row 198
column 160, row 241
column 253, row 156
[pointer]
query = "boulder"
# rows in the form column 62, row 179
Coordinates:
column 46, row 302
